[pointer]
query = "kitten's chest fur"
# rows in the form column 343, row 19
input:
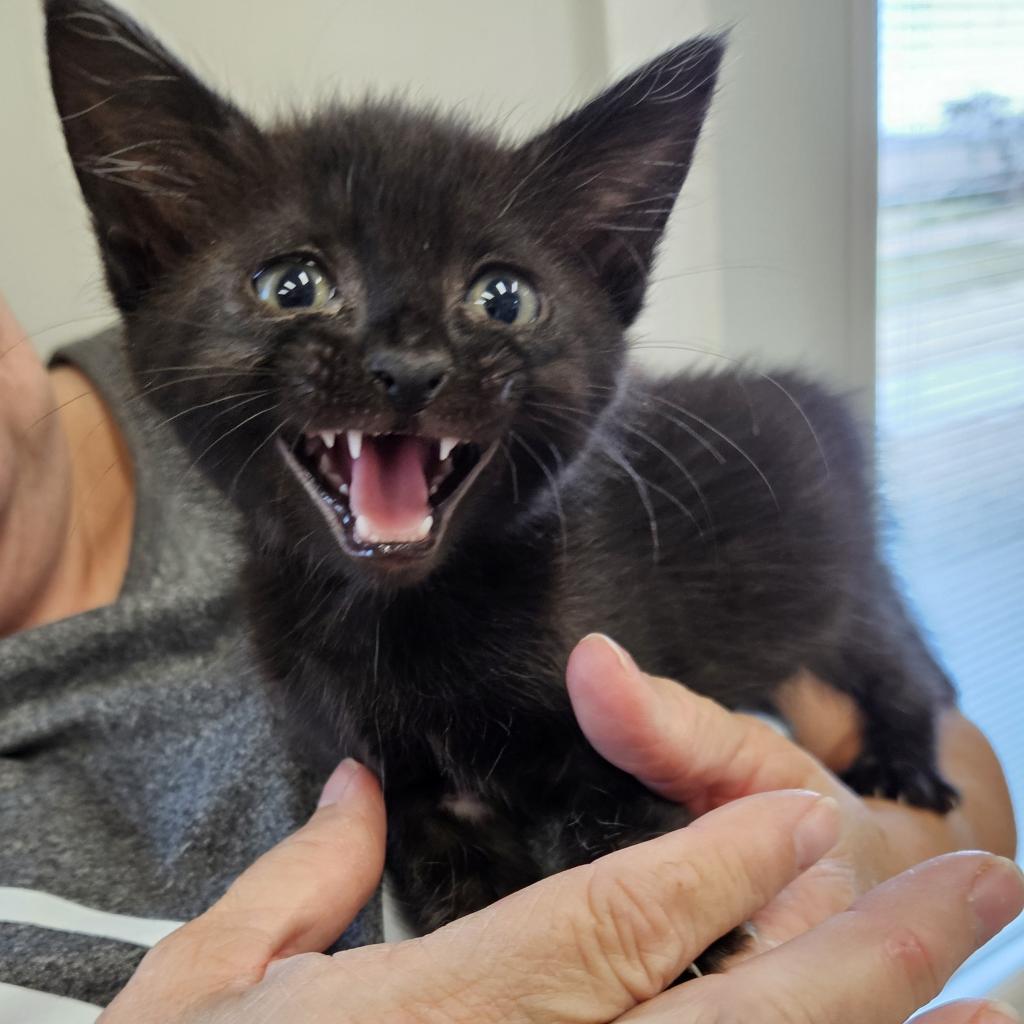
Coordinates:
column 435, row 680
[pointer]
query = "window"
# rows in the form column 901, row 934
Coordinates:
column 950, row 357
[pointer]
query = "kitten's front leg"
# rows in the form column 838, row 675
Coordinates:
column 900, row 764
column 901, row 691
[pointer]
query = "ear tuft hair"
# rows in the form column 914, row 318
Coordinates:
column 154, row 150
column 609, row 174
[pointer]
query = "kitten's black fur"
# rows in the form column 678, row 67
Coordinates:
column 720, row 526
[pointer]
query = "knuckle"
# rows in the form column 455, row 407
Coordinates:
column 909, row 956
column 635, row 933
column 300, row 969
column 203, row 948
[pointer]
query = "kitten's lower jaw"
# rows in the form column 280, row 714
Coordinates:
column 394, row 545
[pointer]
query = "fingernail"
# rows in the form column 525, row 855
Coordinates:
column 341, row 778
column 627, row 663
column 816, row 832
column 996, row 1012
column 997, row 896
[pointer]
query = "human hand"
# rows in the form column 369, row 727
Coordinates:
column 689, row 749
column 588, row 945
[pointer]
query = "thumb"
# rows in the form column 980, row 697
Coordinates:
column 301, row 895
column 679, row 744
column 298, row 898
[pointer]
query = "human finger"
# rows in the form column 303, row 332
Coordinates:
column 598, row 939
column 680, row 744
column 305, row 891
column 297, row 898
column 302, row 894
column 876, row 963
column 970, row 1011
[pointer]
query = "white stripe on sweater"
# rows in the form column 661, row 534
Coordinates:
column 32, row 907
column 24, row 1006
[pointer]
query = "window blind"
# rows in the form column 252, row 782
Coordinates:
column 950, row 358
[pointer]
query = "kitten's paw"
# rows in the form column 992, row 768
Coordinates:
column 909, row 782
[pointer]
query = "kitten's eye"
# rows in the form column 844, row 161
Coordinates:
column 502, row 294
column 297, row 282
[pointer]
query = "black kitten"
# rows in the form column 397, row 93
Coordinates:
column 398, row 344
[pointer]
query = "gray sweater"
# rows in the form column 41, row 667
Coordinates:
column 142, row 755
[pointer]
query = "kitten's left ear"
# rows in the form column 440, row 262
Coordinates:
column 606, row 177
column 157, row 154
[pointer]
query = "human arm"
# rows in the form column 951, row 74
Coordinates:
column 66, row 489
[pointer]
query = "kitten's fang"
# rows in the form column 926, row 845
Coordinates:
column 355, row 443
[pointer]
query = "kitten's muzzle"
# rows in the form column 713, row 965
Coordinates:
column 386, row 496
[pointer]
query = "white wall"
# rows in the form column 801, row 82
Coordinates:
column 772, row 249
column 762, row 255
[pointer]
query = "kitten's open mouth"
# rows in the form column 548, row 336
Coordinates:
column 388, row 494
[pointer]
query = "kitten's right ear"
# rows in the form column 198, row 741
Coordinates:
column 156, row 153
column 609, row 173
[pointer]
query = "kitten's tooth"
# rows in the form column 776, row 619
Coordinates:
column 447, row 447
column 328, row 437
column 425, row 527
column 355, row 443
column 364, row 532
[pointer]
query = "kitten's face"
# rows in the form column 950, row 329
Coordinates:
column 397, row 342
column 383, row 334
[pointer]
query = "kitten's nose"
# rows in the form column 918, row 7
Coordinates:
column 411, row 379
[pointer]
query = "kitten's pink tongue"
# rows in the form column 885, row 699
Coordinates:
column 388, row 493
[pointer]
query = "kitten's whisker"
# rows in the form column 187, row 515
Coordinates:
column 669, row 196
column 515, row 473
column 645, row 498
column 146, row 391
column 742, row 452
column 657, row 230
column 27, row 334
column 56, row 409
column 241, row 469
column 89, row 496
column 216, row 401
column 759, row 373
column 241, row 371
column 555, row 491
column 675, row 501
column 690, row 479
column 682, row 410
column 559, row 461
column 227, row 433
